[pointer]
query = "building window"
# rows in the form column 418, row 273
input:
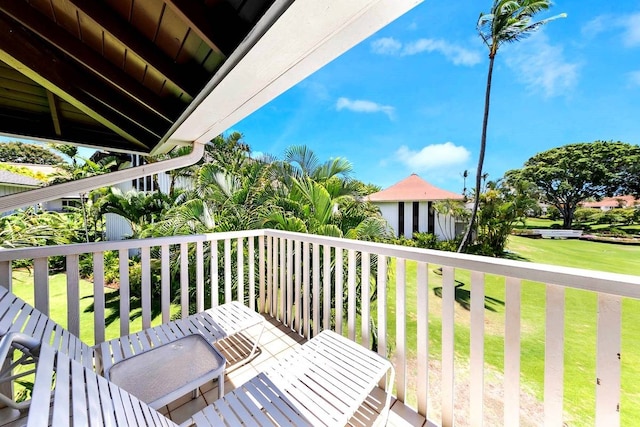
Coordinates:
column 68, row 205
column 400, row 219
column 416, row 217
column 144, row 183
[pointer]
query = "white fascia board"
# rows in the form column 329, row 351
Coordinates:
column 308, row 35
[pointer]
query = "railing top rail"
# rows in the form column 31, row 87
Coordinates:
column 591, row 280
column 83, row 248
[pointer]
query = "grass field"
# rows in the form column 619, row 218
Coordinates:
column 580, row 323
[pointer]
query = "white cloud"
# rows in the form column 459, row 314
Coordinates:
column 634, row 78
column 434, row 156
column 458, row 55
column 631, row 34
column 364, row 106
column 542, row 67
column 628, row 24
column 386, row 46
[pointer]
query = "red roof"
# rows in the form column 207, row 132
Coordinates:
column 413, row 188
column 612, row 202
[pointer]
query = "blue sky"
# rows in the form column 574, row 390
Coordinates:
column 410, row 98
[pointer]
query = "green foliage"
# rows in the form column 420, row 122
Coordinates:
column 23, row 170
column 501, row 208
column 553, row 213
column 19, row 152
column 583, row 215
column 568, row 175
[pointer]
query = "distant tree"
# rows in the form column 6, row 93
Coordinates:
column 19, row 152
column 571, row 174
column 509, row 21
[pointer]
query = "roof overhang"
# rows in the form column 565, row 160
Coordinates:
column 106, row 74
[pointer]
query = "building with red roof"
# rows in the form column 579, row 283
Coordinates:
column 408, row 208
column 612, row 203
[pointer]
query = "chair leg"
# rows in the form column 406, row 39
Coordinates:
column 255, row 345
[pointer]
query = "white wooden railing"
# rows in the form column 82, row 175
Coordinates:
column 300, row 279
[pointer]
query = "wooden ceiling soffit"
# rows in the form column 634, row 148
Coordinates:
column 189, row 78
column 26, row 53
column 84, row 55
column 39, row 126
column 219, row 26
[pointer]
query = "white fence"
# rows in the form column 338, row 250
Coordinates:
column 311, row 283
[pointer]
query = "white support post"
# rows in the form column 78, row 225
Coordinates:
column 512, row 353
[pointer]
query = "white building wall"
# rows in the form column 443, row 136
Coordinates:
column 116, row 227
column 444, row 229
column 389, row 212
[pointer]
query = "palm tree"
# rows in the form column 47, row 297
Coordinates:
column 509, row 21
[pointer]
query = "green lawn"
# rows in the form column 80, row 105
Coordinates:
column 580, row 323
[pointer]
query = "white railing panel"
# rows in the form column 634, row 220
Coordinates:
column 608, row 361
column 448, row 344
column 269, row 293
column 199, row 276
column 289, row 270
column 382, row 306
column 365, row 289
column 145, row 292
column 326, row 287
column 41, row 284
column 252, row 273
column 554, row 356
column 165, row 282
column 512, row 352
column 262, row 275
column 351, row 294
column 306, row 289
column 401, row 330
column 422, row 330
column 240, row 269
column 73, row 294
column 339, row 285
column 298, row 284
column 228, row 296
column 282, row 316
column 476, row 356
column 316, row 288
column 215, row 282
column 184, row 279
column 98, row 297
column 6, row 277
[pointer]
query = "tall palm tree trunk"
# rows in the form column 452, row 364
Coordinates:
column 483, row 144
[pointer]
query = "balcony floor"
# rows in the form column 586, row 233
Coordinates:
column 275, row 341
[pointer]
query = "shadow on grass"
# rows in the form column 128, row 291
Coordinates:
column 463, row 297
column 112, row 306
column 514, row 257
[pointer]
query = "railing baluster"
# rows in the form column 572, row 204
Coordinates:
column 269, row 275
column 316, row 289
column 298, row 283
column 252, row 273
column 228, row 295
column 608, row 361
column 73, row 294
column 261, row 274
column 401, row 330
column 276, row 282
column 339, row 289
column 283, row 288
column 215, row 283
column 6, row 279
column 423, row 337
column 351, row 297
column 289, row 315
column 326, row 287
column 199, row 276
column 553, row 356
column 512, row 353
column 365, row 289
column 240, row 269
column 184, row 279
column 146, row 286
column 41, row 284
column 98, row 296
column 382, row 305
column 305, row 291
column 476, row 356
column 165, row 277
column 448, row 345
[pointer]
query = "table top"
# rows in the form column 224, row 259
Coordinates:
column 166, row 372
